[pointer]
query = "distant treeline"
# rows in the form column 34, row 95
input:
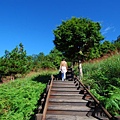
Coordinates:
column 17, row 63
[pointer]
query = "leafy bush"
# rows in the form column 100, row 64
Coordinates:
column 18, row 99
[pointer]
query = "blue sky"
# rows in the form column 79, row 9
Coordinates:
column 32, row 22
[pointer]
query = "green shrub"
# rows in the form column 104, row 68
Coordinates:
column 18, row 99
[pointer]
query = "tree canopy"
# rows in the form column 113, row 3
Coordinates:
column 76, row 36
column 15, row 62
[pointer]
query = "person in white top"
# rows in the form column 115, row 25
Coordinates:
column 63, row 69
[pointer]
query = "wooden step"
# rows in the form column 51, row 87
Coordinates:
column 62, row 94
column 64, row 86
column 69, row 110
column 63, row 83
column 75, row 102
column 68, row 117
column 65, row 92
column 68, row 96
column 65, row 89
column 67, row 100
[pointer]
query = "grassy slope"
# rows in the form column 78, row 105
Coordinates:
column 103, row 76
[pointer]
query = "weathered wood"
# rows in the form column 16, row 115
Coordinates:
column 69, row 117
column 67, row 100
column 72, row 113
column 38, row 117
column 70, row 96
column 80, row 70
column 47, row 99
column 107, row 114
column 117, row 117
column 69, row 108
column 70, row 100
column 39, row 109
column 65, row 89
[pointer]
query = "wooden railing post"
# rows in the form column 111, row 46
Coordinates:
column 80, row 70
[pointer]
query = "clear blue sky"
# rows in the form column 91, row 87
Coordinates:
column 32, row 22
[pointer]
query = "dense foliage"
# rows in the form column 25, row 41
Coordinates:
column 19, row 98
column 15, row 62
column 75, row 37
column 104, row 80
column 117, row 43
column 49, row 61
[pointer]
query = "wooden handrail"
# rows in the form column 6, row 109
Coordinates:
column 47, row 100
column 104, row 110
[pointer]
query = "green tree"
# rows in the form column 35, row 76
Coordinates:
column 18, row 60
column 76, row 36
column 38, row 60
column 5, row 64
column 55, row 57
column 15, row 62
column 118, row 39
column 107, row 47
column 94, row 53
column 117, row 43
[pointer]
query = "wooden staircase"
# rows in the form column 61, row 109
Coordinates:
column 66, row 103
column 71, row 100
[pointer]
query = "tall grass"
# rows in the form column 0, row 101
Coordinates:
column 103, row 77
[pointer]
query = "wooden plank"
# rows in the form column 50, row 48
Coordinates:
column 69, row 108
column 64, row 89
column 62, row 94
column 66, row 96
column 69, row 117
column 67, row 100
column 72, row 113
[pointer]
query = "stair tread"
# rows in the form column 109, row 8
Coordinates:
column 69, row 108
column 68, row 117
column 66, row 100
column 63, row 86
column 64, row 83
column 68, row 90
column 62, row 94
column 58, row 81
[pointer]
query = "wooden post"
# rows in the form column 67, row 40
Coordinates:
column 38, row 117
column 80, row 70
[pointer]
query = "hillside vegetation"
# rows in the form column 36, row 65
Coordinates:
column 103, row 77
column 19, row 98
